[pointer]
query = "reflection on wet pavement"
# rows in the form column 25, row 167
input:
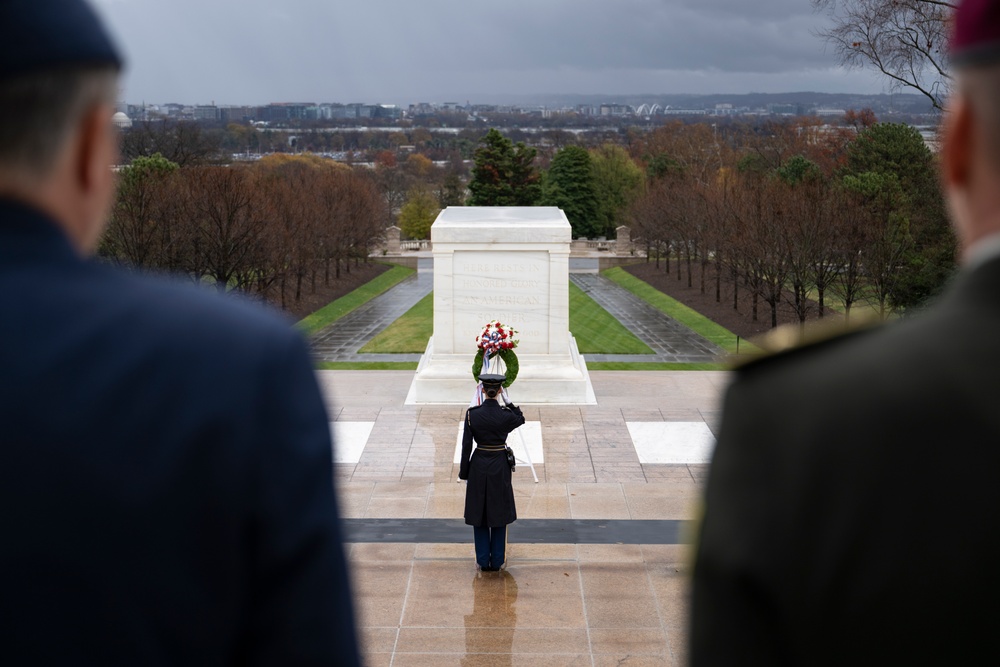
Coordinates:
column 489, row 629
column 597, row 563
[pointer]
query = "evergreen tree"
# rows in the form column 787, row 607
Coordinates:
column 898, row 150
column 503, row 174
column 569, row 184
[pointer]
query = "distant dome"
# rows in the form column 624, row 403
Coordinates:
column 121, row 120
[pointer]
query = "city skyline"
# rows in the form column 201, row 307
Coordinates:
column 254, row 52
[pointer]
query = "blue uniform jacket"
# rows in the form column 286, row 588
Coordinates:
column 166, row 487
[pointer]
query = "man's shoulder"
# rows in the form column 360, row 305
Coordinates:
column 794, row 344
column 166, row 312
column 171, row 297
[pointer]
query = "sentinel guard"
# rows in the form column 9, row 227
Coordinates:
column 489, row 496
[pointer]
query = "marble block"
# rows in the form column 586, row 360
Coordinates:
column 509, row 264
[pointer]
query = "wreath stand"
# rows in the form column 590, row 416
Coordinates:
column 524, row 444
column 477, row 399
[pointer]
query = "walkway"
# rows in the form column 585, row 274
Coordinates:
column 669, row 340
column 597, row 563
column 341, row 340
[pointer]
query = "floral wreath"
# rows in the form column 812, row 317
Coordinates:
column 496, row 340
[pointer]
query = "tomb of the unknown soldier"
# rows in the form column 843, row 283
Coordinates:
column 509, row 264
column 596, row 561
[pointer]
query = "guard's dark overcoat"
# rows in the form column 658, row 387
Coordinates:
column 852, row 511
column 165, row 493
column 489, row 496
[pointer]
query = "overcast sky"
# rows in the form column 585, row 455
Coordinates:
column 404, row 51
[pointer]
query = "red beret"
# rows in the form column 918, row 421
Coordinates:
column 975, row 38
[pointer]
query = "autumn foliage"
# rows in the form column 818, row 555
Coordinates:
column 271, row 229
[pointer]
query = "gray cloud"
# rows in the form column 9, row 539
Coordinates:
column 254, row 51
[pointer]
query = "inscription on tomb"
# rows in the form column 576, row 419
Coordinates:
column 510, row 287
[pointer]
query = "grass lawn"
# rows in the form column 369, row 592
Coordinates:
column 332, row 312
column 701, row 325
column 407, row 335
column 596, row 331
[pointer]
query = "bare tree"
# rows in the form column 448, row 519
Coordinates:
column 182, row 142
column 905, row 40
column 224, row 207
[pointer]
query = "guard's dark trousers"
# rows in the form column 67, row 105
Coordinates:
column 490, row 546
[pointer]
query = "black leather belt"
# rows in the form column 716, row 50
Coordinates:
column 491, row 448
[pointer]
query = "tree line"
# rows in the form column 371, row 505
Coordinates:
column 776, row 212
column 271, row 229
column 794, row 213
column 798, row 215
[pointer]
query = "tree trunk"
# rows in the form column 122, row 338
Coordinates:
column 820, row 291
column 687, row 247
column 736, row 291
column 753, row 308
column 718, row 280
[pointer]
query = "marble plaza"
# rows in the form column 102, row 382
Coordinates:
column 621, row 479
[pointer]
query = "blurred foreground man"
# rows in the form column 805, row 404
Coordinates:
column 165, row 486
column 853, row 505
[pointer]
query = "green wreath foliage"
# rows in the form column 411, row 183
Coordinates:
column 509, row 359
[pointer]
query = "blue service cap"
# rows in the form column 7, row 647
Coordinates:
column 45, row 34
column 492, row 379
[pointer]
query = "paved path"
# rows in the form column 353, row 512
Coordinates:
column 341, row 340
column 669, row 340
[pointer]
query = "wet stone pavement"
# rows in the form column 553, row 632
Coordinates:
column 669, row 340
column 342, row 340
column 598, row 561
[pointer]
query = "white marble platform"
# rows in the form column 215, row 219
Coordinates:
column 672, row 442
column 654, row 442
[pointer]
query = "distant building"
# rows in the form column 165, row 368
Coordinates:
column 783, row 109
column 121, row 120
column 205, row 112
column 236, row 114
column 615, row 110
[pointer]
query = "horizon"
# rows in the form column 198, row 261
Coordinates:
column 249, row 51
column 533, row 98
